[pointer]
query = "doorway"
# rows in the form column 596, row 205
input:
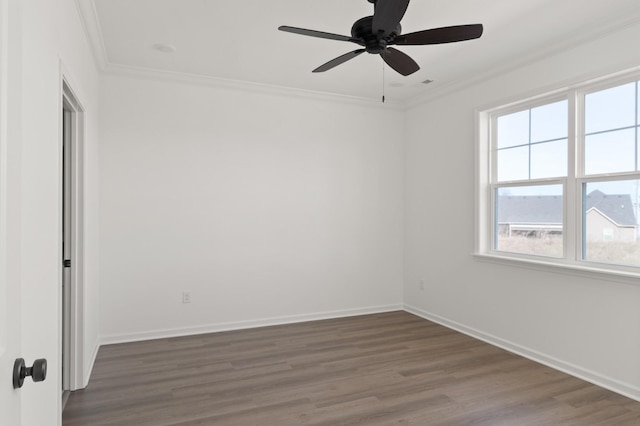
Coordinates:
column 71, row 243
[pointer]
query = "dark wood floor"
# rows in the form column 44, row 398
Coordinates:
column 385, row 369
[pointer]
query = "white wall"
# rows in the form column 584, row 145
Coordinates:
column 52, row 32
column 589, row 326
column 266, row 207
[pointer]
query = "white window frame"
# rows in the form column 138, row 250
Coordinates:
column 486, row 181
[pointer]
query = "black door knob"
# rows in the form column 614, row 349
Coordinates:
column 38, row 371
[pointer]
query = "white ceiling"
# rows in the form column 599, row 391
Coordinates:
column 239, row 41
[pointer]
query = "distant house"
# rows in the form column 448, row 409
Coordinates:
column 610, row 217
column 529, row 214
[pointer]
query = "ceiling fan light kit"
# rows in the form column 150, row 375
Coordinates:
column 376, row 33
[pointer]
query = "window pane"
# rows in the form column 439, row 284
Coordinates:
column 610, row 152
column 549, row 122
column 529, row 220
column 513, row 164
column 610, row 225
column 610, row 109
column 513, row 129
column 549, row 159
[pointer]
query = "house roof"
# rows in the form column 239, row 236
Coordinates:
column 530, row 209
column 547, row 209
column 617, row 207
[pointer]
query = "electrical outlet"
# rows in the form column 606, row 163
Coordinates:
column 421, row 284
column 186, row 297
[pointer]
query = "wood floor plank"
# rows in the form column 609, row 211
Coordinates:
column 383, row 369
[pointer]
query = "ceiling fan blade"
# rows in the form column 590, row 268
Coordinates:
column 339, row 60
column 387, row 15
column 399, row 61
column 313, row 33
column 441, row 35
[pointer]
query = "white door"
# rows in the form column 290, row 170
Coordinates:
column 10, row 324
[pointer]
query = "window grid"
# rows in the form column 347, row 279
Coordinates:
column 575, row 224
column 634, row 127
column 529, row 144
column 529, row 174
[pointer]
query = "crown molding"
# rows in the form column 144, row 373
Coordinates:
column 90, row 22
column 91, row 25
column 237, row 85
column 535, row 56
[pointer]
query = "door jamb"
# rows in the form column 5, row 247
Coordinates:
column 75, row 365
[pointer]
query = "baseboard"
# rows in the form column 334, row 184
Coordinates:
column 240, row 325
column 611, row 384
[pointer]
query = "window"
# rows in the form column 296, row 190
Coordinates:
column 560, row 177
column 532, row 144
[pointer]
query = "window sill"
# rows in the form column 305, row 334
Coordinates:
column 592, row 272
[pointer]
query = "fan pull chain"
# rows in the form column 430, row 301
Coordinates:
column 383, row 82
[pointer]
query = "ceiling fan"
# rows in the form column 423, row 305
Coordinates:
column 376, row 33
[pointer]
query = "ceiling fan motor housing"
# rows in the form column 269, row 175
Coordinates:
column 362, row 30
